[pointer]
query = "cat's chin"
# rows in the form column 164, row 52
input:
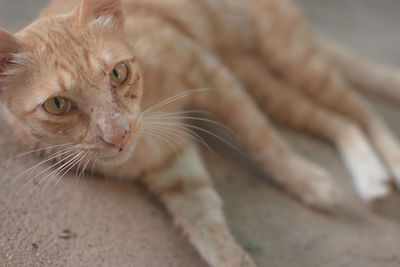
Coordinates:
column 119, row 157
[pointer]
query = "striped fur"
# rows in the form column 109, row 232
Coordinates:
column 258, row 57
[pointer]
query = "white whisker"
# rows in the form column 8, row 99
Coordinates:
column 160, row 114
column 173, row 99
column 32, row 151
column 94, row 163
column 31, row 179
column 54, row 156
column 192, row 134
column 72, row 164
column 80, row 163
column 168, row 132
column 199, row 119
column 48, row 177
column 59, row 170
column 185, row 125
column 90, row 157
column 163, row 138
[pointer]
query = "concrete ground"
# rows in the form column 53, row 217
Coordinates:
column 103, row 222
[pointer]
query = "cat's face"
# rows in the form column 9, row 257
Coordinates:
column 74, row 79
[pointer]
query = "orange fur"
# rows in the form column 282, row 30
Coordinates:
column 259, row 60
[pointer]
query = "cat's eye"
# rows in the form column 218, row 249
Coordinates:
column 57, row 105
column 119, row 74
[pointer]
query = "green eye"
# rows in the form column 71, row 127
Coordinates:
column 119, row 75
column 57, row 105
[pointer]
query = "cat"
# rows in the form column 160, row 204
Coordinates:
column 110, row 84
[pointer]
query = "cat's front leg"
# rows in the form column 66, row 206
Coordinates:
column 184, row 186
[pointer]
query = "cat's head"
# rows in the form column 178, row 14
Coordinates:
column 73, row 79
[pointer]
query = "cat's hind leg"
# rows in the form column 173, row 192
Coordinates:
column 322, row 83
column 378, row 78
column 289, row 48
column 289, row 107
column 184, row 186
column 233, row 106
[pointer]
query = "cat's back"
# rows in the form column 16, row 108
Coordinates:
column 216, row 24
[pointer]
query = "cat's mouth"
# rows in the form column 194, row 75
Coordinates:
column 123, row 153
column 120, row 156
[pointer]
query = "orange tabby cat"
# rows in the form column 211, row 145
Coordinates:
column 108, row 84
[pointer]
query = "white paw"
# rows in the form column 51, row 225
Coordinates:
column 370, row 177
column 396, row 174
column 373, row 187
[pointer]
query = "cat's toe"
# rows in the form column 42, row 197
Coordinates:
column 313, row 185
column 395, row 170
column 322, row 193
column 374, row 189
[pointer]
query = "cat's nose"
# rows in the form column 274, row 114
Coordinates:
column 114, row 130
column 117, row 139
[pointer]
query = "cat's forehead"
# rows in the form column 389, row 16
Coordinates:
column 73, row 52
column 63, row 38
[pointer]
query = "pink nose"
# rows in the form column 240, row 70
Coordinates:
column 113, row 128
column 117, row 139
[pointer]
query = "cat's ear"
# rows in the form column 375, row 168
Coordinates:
column 9, row 46
column 93, row 9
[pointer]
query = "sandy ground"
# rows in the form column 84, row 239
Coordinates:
column 102, row 222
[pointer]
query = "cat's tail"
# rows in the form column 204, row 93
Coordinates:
column 376, row 77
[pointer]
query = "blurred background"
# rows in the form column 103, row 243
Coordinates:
column 109, row 223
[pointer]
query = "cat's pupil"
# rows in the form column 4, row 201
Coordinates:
column 57, row 103
column 115, row 72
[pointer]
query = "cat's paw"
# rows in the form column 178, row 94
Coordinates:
column 310, row 184
column 370, row 177
column 320, row 192
column 231, row 255
column 374, row 189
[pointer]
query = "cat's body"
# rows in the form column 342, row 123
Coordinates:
column 145, row 20
column 256, row 56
